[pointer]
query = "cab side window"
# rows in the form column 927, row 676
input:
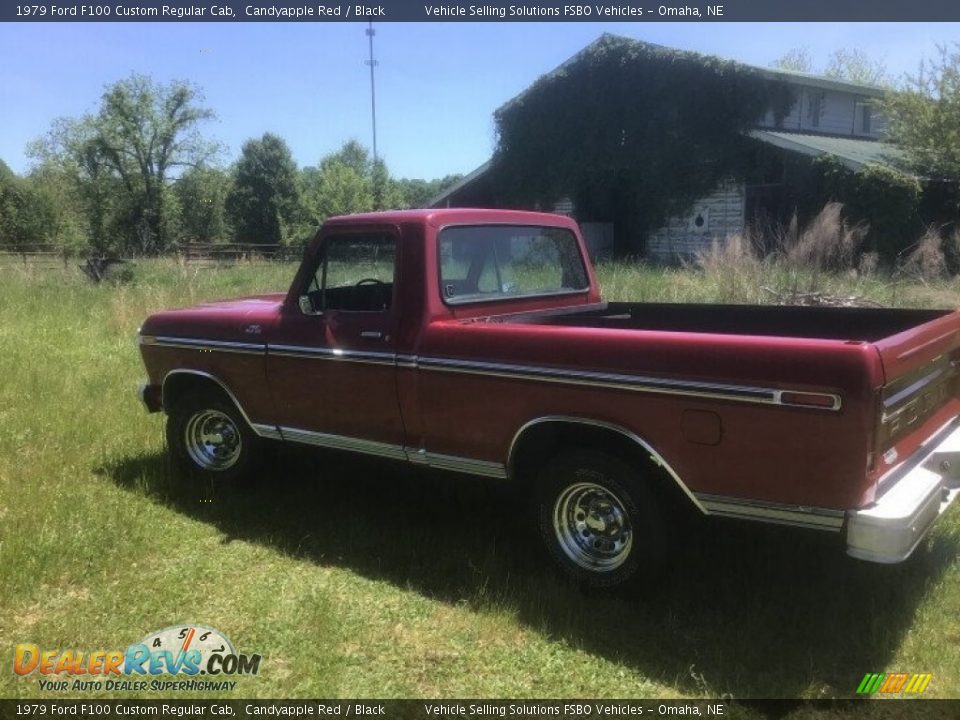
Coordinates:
column 355, row 273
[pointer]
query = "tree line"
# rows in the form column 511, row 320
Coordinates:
column 140, row 177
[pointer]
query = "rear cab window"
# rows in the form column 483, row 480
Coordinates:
column 479, row 263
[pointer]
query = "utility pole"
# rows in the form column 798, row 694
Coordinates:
column 373, row 92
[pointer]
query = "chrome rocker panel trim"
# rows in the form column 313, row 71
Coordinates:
column 341, row 442
column 453, row 463
column 804, row 516
column 914, row 494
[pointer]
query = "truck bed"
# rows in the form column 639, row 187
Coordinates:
column 827, row 323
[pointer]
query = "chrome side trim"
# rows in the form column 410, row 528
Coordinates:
column 654, row 455
column 341, row 442
column 316, row 353
column 260, row 429
column 615, row 381
column 795, row 515
column 267, row 431
column 455, row 463
column 203, row 344
column 911, row 389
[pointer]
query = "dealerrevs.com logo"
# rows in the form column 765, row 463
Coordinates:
column 185, row 652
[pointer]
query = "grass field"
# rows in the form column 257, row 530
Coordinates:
column 355, row 578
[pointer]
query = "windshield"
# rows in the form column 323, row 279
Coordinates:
column 492, row 262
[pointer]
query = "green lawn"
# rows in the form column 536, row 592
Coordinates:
column 356, row 578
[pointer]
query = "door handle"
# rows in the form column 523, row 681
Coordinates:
column 372, row 334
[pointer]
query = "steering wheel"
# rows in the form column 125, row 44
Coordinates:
column 368, row 281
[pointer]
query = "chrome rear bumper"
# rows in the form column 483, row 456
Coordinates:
column 912, row 496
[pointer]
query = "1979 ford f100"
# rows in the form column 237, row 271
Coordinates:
column 476, row 341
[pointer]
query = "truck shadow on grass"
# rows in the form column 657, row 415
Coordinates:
column 746, row 609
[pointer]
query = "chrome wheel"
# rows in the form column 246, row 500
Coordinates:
column 592, row 527
column 212, row 440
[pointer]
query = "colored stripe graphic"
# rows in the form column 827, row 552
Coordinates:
column 870, row 683
column 893, row 683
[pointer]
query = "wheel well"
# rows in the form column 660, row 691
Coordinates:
column 540, row 441
column 178, row 384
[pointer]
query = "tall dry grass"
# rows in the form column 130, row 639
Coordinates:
column 927, row 261
column 827, row 242
column 825, row 262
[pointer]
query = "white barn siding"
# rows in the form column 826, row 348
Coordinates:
column 838, row 114
column 723, row 212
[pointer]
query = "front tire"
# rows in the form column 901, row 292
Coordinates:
column 599, row 521
column 210, row 439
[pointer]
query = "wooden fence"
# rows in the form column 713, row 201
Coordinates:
column 205, row 253
column 35, row 255
column 231, row 252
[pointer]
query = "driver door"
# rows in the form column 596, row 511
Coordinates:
column 330, row 363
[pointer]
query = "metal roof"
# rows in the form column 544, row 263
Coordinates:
column 440, row 216
column 793, row 77
column 465, row 180
column 853, row 152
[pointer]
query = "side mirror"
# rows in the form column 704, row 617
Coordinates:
column 306, row 306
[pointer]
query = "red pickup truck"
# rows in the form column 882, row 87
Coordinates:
column 477, row 341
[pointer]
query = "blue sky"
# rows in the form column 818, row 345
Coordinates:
column 437, row 83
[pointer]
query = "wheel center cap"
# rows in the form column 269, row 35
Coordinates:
column 596, row 523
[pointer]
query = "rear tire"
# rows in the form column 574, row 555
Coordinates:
column 210, row 439
column 599, row 520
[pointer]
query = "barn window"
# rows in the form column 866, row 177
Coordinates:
column 814, row 107
column 864, row 117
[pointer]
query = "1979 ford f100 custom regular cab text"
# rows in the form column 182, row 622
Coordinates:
column 477, row 341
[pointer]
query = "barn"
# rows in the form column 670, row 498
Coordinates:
column 822, row 117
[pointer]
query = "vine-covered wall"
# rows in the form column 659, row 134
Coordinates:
column 633, row 132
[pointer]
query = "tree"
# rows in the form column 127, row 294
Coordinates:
column 796, row 59
column 27, row 217
column 348, row 181
column 126, row 155
column 923, row 116
column 202, row 196
column 59, row 207
column 264, row 198
column 418, row 193
column 851, row 64
column 335, row 188
column 11, row 206
column 856, row 66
